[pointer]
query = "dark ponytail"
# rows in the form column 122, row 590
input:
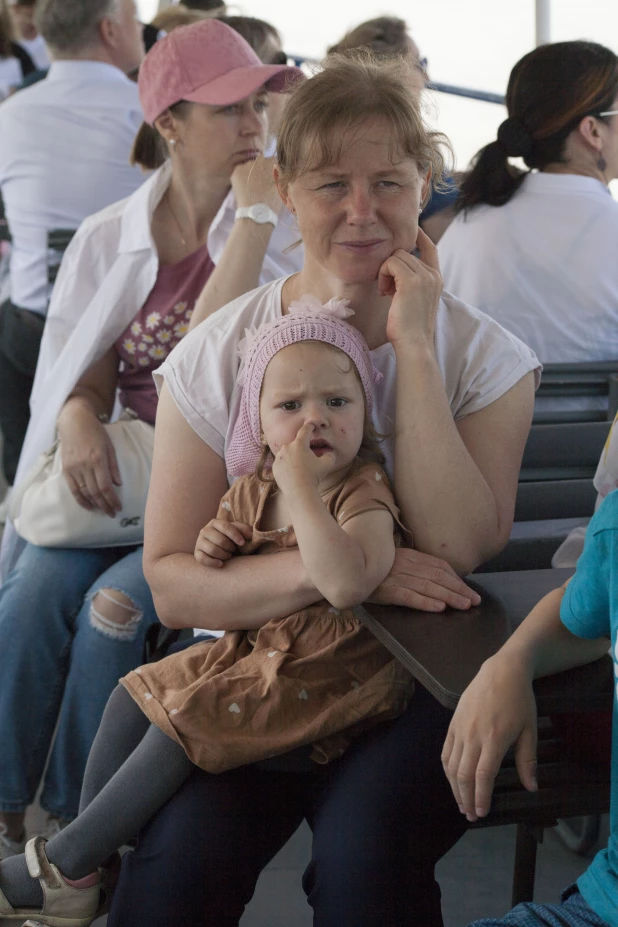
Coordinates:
column 149, row 150
column 550, row 91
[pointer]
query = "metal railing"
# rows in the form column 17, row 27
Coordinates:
column 484, row 95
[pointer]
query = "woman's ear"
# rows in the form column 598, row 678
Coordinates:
column 283, row 190
column 588, row 130
column 167, row 125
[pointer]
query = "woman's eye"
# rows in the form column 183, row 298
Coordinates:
column 337, row 402
column 390, row 184
column 335, row 185
column 291, row 406
column 230, row 110
column 261, row 105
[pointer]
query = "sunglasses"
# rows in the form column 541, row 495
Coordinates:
column 607, row 112
column 279, row 58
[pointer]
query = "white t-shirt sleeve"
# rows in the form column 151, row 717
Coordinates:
column 480, row 361
column 201, row 371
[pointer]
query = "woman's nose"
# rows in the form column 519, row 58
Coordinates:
column 253, row 123
column 361, row 208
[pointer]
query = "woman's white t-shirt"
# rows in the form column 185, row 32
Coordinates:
column 478, row 359
column 543, row 266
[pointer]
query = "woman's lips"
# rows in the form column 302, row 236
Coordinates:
column 361, row 247
column 249, row 154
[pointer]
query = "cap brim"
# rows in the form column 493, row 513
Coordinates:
column 242, row 82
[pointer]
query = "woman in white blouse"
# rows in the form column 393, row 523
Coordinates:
column 455, row 404
column 536, row 249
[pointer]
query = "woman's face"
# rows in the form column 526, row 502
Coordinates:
column 219, row 138
column 354, row 214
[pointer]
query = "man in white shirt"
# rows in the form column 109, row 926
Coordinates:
column 64, row 154
column 26, row 32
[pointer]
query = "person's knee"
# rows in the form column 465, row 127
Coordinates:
column 113, row 614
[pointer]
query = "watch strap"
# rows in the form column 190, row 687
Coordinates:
column 259, row 213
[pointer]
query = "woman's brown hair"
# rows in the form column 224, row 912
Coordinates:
column 6, row 31
column 550, row 90
column 353, row 88
column 386, row 35
column 179, row 15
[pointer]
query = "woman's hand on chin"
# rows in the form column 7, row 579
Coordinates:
column 422, row 581
column 415, row 284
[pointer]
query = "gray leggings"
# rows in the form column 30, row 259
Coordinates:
column 132, row 770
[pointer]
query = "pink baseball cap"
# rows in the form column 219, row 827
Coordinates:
column 206, row 62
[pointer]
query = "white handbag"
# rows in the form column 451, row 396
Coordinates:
column 44, row 512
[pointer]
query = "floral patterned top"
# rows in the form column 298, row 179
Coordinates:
column 157, row 328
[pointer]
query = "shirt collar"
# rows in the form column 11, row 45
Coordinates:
column 80, row 70
column 135, row 233
column 565, row 183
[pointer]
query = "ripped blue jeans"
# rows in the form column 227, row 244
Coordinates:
column 72, row 622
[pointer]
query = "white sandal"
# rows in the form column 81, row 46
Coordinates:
column 63, row 905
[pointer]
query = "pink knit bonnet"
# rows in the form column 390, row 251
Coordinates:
column 307, row 320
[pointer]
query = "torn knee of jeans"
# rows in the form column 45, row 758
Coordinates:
column 114, row 614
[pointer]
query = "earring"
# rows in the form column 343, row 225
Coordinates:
column 420, row 209
column 601, row 163
column 173, row 142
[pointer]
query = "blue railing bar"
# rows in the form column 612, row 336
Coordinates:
column 483, row 95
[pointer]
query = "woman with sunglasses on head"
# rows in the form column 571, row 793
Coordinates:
column 536, row 248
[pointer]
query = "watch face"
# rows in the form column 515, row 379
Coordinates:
column 260, row 212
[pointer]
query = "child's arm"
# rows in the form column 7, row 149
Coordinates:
column 219, row 540
column 345, row 563
column 498, row 708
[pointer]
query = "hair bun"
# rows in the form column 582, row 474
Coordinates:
column 515, row 139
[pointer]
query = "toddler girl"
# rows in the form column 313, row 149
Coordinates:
column 306, row 683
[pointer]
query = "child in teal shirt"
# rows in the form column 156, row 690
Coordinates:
column 569, row 627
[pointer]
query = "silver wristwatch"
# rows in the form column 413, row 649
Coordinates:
column 259, row 212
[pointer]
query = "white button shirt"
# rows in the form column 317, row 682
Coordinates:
column 64, row 154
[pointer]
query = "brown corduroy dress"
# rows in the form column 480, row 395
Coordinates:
column 318, row 677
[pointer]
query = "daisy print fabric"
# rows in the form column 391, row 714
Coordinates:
column 157, row 328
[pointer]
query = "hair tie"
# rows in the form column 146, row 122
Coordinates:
column 515, row 139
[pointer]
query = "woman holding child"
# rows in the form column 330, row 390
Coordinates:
column 454, row 405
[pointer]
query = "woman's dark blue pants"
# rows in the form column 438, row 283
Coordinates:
column 381, row 816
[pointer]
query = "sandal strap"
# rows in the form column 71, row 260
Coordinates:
column 61, row 901
column 38, row 864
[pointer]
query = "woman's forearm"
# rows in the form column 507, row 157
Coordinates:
column 237, row 271
column 443, row 496
column 246, row 593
